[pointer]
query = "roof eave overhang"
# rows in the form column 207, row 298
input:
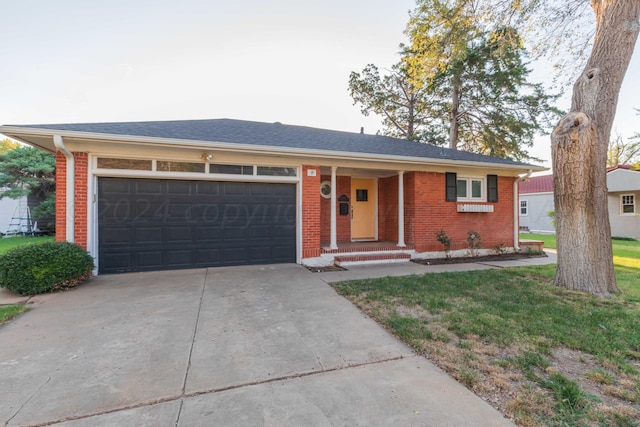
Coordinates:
column 22, row 134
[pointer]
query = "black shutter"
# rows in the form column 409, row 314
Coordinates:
column 492, row 188
column 451, row 190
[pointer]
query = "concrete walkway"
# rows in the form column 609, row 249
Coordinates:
column 409, row 268
column 264, row 345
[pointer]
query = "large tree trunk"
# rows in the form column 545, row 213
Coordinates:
column 579, row 153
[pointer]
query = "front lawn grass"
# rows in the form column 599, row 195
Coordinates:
column 7, row 243
column 8, row 312
column 540, row 354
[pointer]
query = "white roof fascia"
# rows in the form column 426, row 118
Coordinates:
column 242, row 147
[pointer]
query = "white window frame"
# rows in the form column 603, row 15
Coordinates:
column 526, row 207
column 623, row 204
column 469, row 180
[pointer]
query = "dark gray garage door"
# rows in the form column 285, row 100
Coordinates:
column 161, row 224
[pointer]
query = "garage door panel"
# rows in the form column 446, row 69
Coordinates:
column 282, row 253
column 231, row 189
column 205, row 214
column 117, row 186
column 179, row 258
column 260, row 232
column 117, row 236
column 146, row 260
column 207, row 188
column 234, row 256
column 261, row 254
column 118, row 260
column 234, row 233
column 148, row 235
column 284, row 191
column 176, row 235
column 208, row 257
column 179, row 188
column 151, row 224
column 208, row 234
column 149, row 187
column 178, row 212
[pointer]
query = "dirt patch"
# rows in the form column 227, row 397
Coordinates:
column 325, row 268
column 613, row 389
column 484, row 258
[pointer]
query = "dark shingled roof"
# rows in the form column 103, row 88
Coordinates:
column 277, row 135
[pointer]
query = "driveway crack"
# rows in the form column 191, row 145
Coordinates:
column 183, row 396
column 27, row 401
column 193, row 340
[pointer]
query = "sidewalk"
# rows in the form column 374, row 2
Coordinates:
column 409, row 268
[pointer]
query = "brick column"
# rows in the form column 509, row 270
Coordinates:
column 80, row 197
column 310, row 215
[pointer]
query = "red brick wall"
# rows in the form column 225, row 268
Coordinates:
column 311, row 213
column 426, row 212
column 343, row 222
column 80, row 197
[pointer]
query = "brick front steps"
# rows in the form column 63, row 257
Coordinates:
column 386, row 258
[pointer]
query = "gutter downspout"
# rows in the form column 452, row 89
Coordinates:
column 71, row 188
column 516, row 210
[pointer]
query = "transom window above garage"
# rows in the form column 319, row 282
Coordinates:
column 125, row 164
column 165, row 166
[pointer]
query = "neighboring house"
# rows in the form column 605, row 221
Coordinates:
column 536, row 200
column 199, row 193
column 11, row 213
column 624, row 194
column 623, row 184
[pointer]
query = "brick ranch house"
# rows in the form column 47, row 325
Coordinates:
column 147, row 196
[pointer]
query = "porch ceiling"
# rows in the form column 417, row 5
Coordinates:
column 359, row 172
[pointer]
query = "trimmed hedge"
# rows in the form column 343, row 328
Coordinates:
column 44, row 267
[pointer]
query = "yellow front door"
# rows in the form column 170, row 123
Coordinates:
column 363, row 209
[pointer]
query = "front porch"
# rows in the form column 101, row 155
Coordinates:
column 354, row 216
column 360, row 206
column 354, row 253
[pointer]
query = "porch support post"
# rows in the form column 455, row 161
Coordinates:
column 334, row 239
column 401, row 209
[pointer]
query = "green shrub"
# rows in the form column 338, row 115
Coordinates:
column 36, row 268
column 441, row 236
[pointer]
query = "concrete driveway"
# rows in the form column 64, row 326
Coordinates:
column 265, row 345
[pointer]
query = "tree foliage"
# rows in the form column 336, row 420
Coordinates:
column 623, row 152
column 457, row 83
column 28, row 171
column 403, row 105
column 7, row 144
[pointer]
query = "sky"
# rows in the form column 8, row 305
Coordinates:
column 70, row 61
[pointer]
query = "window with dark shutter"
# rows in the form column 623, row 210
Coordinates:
column 451, row 187
column 492, row 188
